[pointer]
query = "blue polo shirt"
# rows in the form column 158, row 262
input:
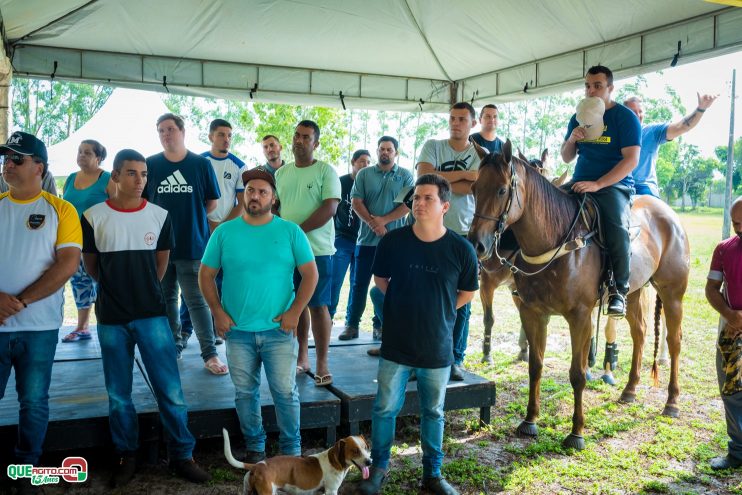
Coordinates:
column 645, row 173
column 597, row 157
column 377, row 189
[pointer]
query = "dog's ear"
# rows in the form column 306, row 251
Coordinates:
column 333, row 455
column 341, row 453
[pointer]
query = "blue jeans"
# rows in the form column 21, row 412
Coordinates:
column 31, row 353
column 344, row 256
column 431, row 389
column 359, row 288
column 155, row 342
column 377, row 299
column 184, row 273
column 277, row 351
column 186, row 325
column 461, row 333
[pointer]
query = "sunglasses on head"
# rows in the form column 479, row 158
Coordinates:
column 16, row 158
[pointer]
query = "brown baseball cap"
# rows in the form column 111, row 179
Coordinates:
column 259, row 172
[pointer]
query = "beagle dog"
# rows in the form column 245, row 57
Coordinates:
column 304, row 475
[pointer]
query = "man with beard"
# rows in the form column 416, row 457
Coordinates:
column 373, row 196
column 309, row 191
column 258, row 314
column 456, row 160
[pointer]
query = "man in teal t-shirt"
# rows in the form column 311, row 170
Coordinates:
column 258, row 314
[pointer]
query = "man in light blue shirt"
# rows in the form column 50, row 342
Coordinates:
column 258, row 313
column 654, row 135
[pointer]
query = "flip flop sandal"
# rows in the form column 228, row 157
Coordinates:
column 76, row 336
column 214, row 369
column 322, row 380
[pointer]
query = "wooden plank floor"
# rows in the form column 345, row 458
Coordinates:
column 78, row 407
column 210, row 399
column 79, row 403
column 354, row 381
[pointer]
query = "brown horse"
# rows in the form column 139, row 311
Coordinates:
column 493, row 274
column 509, row 193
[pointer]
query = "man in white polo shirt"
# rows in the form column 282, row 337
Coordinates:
column 39, row 251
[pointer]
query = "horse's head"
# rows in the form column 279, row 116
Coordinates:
column 537, row 163
column 498, row 193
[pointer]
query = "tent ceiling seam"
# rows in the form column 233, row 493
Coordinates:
column 427, row 43
column 51, row 23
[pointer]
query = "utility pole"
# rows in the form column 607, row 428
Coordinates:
column 730, row 165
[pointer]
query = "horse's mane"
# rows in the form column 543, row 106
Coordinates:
column 553, row 206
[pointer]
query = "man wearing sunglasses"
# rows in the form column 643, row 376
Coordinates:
column 48, row 184
column 39, row 252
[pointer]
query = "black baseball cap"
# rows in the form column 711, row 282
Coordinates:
column 26, row 144
column 258, row 173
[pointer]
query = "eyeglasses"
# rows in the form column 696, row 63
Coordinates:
column 16, row 158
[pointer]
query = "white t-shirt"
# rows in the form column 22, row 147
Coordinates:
column 32, row 231
column 229, row 177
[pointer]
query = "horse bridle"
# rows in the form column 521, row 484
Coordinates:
column 501, row 221
column 500, row 225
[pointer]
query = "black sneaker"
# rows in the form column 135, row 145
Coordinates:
column 725, row 462
column 616, row 305
column 456, row 374
column 124, row 470
column 439, row 486
column 189, row 470
column 218, row 341
column 254, row 457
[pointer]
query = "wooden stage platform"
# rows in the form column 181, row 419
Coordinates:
column 78, row 403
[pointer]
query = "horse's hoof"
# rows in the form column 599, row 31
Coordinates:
column 663, row 362
column 523, row 356
column 487, row 359
column 527, row 429
column 573, row 442
column 627, row 397
column 671, row 411
column 608, row 379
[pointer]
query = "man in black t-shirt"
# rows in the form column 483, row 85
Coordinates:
column 347, row 224
column 426, row 272
column 126, row 246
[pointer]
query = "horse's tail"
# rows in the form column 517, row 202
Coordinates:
column 657, row 321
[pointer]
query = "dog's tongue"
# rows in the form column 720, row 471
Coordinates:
column 365, row 472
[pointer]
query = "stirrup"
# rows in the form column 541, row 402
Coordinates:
column 614, row 312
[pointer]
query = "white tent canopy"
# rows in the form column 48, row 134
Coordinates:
column 390, row 54
column 127, row 120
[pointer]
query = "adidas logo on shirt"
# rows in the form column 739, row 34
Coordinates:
column 175, row 183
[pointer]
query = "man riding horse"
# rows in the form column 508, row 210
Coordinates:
column 603, row 169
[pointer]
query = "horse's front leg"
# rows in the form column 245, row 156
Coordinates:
column 487, row 288
column 534, row 325
column 580, row 330
column 638, row 326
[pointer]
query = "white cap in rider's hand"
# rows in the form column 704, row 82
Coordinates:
column 590, row 116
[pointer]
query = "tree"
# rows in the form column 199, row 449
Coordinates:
column 54, row 110
column 721, row 154
column 199, row 112
column 281, row 120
